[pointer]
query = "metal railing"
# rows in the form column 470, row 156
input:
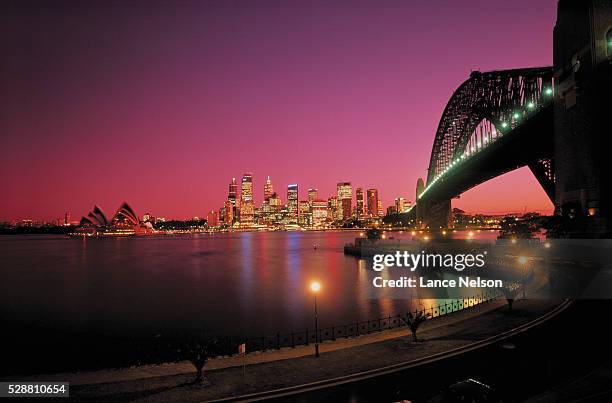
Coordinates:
column 229, row 345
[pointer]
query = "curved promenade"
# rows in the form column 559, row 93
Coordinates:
column 288, row 371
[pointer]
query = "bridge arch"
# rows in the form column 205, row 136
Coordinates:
column 484, row 107
column 494, row 122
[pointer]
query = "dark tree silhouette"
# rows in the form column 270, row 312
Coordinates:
column 413, row 321
column 522, row 228
column 510, row 294
column 197, row 351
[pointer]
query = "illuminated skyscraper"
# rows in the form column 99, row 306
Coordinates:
column 229, row 213
column 268, row 189
column 400, row 205
column 304, row 213
column 212, row 218
column 231, row 197
column 332, row 208
column 372, row 202
column 313, row 194
column 319, row 212
column 345, row 200
column 360, row 211
column 247, row 209
column 292, row 204
column 272, row 209
column 275, row 202
column 380, row 209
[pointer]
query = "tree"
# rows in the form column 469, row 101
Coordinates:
column 510, row 293
column 197, row 351
column 413, row 321
column 522, row 228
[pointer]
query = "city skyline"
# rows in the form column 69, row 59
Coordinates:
column 162, row 117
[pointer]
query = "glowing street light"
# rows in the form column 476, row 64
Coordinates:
column 315, row 287
column 523, row 262
column 548, row 91
column 530, row 105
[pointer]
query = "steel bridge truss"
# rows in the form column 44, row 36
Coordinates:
column 484, row 108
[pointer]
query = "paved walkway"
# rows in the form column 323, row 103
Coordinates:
column 291, row 367
column 169, row 369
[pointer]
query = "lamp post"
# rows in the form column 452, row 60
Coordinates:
column 315, row 287
column 523, row 262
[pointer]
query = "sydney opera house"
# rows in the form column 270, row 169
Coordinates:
column 124, row 222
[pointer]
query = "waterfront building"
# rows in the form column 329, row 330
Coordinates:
column 391, row 210
column 360, row 211
column 319, row 212
column 380, row 208
column 304, row 217
column 247, row 208
column 212, row 218
column 332, row 208
column 345, row 200
column 228, row 210
column 292, row 204
column 124, row 222
column 372, row 195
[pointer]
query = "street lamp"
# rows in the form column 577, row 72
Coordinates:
column 523, row 262
column 315, row 287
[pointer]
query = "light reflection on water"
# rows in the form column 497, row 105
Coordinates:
column 235, row 284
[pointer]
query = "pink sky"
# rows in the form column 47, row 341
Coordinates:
column 161, row 104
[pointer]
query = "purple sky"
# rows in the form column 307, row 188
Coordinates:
column 162, row 103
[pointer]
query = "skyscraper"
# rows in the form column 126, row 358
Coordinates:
column 247, row 209
column 268, row 189
column 319, row 212
column 212, row 218
column 312, row 195
column 292, row 204
column 372, row 195
column 360, row 211
column 304, row 213
column 231, row 197
column 332, row 208
column 345, row 200
column 400, row 205
column 229, row 213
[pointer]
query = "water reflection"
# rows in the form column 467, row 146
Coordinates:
column 233, row 284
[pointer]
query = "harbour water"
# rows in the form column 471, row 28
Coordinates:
column 248, row 283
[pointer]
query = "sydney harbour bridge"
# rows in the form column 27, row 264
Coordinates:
column 554, row 119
